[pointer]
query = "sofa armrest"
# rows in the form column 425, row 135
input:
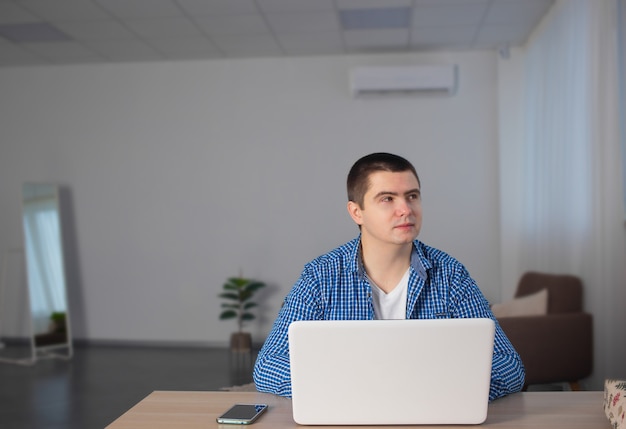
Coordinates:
column 553, row 348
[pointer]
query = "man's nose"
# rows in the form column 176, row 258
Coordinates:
column 403, row 208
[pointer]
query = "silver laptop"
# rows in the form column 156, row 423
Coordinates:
column 391, row 372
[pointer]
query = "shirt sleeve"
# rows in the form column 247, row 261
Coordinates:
column 507, row 369
column 272, row 372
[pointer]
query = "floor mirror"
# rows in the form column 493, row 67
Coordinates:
column 45, row 272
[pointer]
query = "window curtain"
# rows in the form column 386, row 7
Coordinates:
column 569, row 215
column 45, row 261
column 621, row 32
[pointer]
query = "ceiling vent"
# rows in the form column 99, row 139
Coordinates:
column 425, row 79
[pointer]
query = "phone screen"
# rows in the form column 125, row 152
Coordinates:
column 242, row 414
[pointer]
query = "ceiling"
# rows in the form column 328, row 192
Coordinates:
column 39, row 32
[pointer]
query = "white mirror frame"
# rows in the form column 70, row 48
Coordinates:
column 45, row 271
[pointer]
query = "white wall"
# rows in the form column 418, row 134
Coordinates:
column 511, row 151
column 183, row 174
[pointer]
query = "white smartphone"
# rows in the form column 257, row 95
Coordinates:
column 242, row 414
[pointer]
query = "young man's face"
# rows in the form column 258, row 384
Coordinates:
column 392, row 208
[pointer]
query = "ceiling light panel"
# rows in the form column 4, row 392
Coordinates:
column 368, row 19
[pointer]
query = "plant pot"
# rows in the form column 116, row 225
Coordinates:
column 240, row 342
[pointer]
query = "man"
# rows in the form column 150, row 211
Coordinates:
column 385, row 273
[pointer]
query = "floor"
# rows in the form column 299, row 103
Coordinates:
column 100, row 383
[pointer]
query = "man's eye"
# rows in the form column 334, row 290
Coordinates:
column 386, row 199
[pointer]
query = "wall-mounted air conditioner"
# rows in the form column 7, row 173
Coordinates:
column 423, row 79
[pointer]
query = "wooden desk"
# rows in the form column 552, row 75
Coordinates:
column 187, row 410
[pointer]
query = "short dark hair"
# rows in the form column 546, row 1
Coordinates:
column 358, row 177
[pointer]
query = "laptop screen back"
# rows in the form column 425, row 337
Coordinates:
column 391, row 371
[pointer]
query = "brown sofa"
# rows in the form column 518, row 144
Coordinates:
column 558, row 346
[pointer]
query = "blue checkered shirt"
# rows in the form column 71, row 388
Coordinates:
column 335, row 287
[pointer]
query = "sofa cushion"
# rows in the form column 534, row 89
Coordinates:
column 565, row 290
column 535, row 304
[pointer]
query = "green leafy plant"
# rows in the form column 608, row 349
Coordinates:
column 238, row 292
column 58, row 320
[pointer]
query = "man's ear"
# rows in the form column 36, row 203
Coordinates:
column 355, row 212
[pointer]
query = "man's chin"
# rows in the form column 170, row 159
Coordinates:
column 406, row 233
column 408, row 238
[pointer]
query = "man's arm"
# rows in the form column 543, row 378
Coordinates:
column 507, row 369
column 272, row 372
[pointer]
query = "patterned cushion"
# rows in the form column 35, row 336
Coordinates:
column 615, row 402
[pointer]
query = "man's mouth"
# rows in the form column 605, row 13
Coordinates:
column 405, row 225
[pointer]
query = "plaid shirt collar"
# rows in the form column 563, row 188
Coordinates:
column 419, row 262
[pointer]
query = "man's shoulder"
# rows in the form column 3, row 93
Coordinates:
column 344, row 254
column 434, row 257
column 444, row 269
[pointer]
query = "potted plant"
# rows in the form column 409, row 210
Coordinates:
column 238, row 292
column 57, row 322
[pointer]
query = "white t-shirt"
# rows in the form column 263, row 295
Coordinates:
column 390, row 305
